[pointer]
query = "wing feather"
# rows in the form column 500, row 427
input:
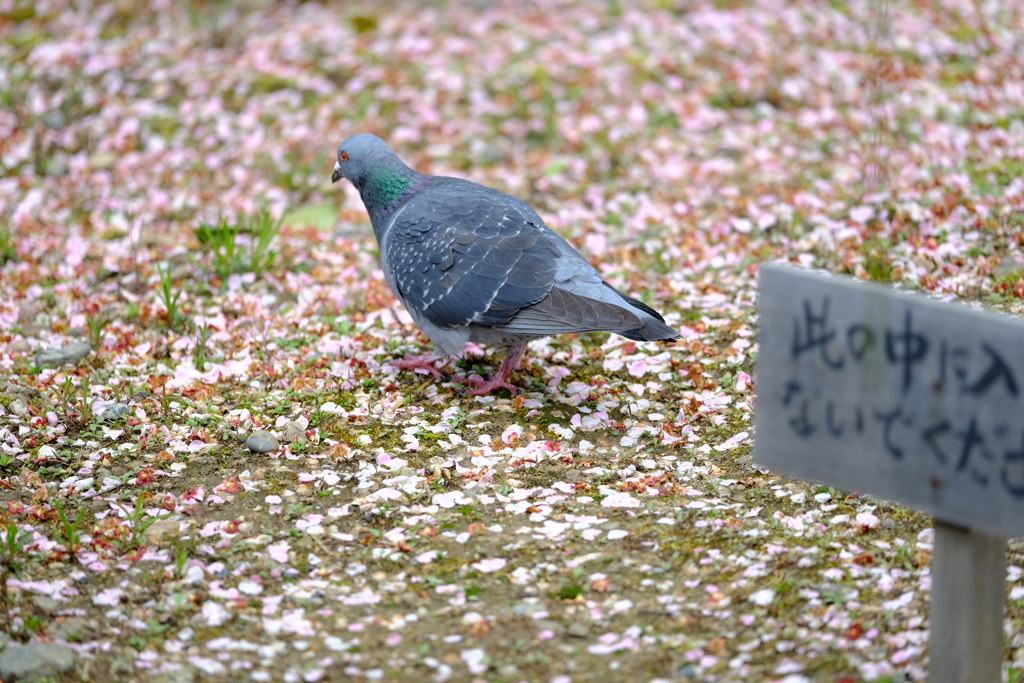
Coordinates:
column 456, row 255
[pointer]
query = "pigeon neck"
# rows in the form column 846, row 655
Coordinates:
column 383, row 191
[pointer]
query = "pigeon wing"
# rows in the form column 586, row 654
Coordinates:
column 463, row 257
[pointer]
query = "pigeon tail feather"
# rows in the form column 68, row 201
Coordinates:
column 562, row 311
column 636, row 303
column 653, row 330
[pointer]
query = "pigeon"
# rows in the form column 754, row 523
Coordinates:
column 473, row 264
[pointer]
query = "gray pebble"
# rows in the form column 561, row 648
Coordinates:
column 262, row 442
column 113, row 412
column 527, row 592
column 71, row 354
column 557, row 627
column 888, row 523
column 19, row 406
column 101, row 161
column 313, row 357
column 75, row 629
column 185, row 674
column 33, row 330
column 54, row 119
column 292, row 432
column 26, row 313
column 1008, row 266
column 508, row 671
column 156, row 531
column 34, row 661
column 578, row 630
column 56, row 166
column 525, row 609
column 20, row 345
column 46, row 603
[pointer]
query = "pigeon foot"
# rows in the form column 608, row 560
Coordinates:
column 498, row 380
column 425, row 362
column 483, row 386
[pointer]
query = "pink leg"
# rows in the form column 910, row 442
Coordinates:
column 499, row 379
column 425, row 362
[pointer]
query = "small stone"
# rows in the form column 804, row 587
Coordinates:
column 18, row 406
column 113, row 412
column 28, row 393
column 73, row 629
column 149, row 238
column 26, row 313
column 1008, row 266
column 156, row 531
column 20, row 346
column 410, row 599
column 54, row 119
column 56, row 166
column 292, row 432
column 508, row 671
column 527, row 592
column 262, row 442
column 578, row 630
column 888, row 523
column 491, row 153
column 102, row 161
column 525, row 609
column 924, row 262
column 185, row 674
column 71, row 354
column 32, row 330
column 75, row 332
column 46, row 603
column 556, row 627
column 34, row 661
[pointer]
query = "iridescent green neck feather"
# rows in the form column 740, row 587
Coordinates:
column 387, row 185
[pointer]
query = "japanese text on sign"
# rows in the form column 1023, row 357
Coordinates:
column 891, row 394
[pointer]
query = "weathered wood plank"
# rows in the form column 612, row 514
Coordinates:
column 900, row 396
column 968, row 595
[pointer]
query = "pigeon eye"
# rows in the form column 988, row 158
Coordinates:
column 343, row 156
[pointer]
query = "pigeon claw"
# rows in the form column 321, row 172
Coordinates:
column 417, row 363
column 481, row 386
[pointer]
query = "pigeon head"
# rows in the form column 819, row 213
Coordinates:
column 377, row 172
column 360, row 155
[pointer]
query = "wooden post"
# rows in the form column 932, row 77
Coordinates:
column 968, row 596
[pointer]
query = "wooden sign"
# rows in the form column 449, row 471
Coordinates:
column 896, row 395
column 911, row 400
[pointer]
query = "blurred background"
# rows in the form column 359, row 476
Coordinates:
column 689, row 140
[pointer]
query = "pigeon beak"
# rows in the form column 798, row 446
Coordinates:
column 336, row 176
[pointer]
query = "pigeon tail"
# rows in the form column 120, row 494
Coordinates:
column 636, row 303
column 653, row 330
